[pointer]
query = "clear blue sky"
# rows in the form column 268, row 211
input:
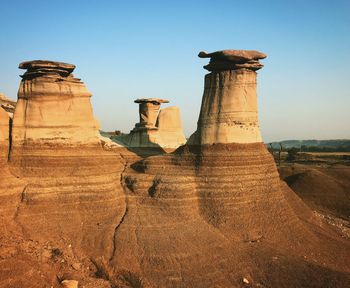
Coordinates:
column 125, row 50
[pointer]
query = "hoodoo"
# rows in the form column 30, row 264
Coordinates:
column 53, row 106
column 215, row 212
column 229, row 112
column 160, row 128
column 73, row 188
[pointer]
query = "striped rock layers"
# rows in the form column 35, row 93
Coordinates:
column 229, row 112
column 7, row 104
column 215, row 212
column 73, row 186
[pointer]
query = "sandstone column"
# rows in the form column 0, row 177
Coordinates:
column 53, row 106
column 229, row 105
column 149, row 110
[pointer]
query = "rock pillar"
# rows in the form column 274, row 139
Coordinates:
column 53, row 106
column 149, row 110
column 158, row 128
column 229, row 112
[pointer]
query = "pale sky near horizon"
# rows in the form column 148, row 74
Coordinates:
column 125, row 50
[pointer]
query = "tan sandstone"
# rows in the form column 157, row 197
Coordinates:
column 72, row 185
column 7, row 104
column 157, row 128
column 210, row 214
column 229, row 112
column 53, row 106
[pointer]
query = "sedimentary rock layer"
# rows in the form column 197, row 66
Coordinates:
column 212, row 214
column 7, row 104
column 229, row 112
column 216, row 213
column 158, row 128
column 72, row 186
column 53, row 107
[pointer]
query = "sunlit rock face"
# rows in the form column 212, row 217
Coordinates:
column 215, row 209
column 207, row 215
column 73, row 188
column 53, row 106
column 10, row 186
column 7, row 104
column 4, row 131
column 170, row 128
column 229, row 112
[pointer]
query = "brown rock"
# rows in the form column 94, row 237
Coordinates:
column 239, row 56
column 207, row 215
column 70, row 283
column 72, row 184
column 233, row 59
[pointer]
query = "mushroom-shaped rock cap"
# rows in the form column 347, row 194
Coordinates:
column 46, row 68
column 237, row 56
column 156, row 101
column 233, row 60
column 46, row 64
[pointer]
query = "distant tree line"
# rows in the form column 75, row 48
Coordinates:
column 305, row 148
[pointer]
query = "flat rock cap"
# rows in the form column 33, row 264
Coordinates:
column 149, row 100
column 46, row 64
column 237, row 56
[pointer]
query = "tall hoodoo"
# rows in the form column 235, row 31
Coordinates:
column 229, row 111
column 215, row 209
column 53, row 106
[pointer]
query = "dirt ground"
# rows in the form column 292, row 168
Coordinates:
column 322, row 181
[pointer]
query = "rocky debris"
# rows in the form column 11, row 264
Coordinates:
column 69, row 283
column 233, row 59
column 76, row 266
column 7, row 104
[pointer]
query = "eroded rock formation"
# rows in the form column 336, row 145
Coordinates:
column 53, row 106
column 71, row 193
column 158, row 128
column 229, row 112
column 214, row 213
column 7, row 104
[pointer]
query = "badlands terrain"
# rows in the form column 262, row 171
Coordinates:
column 150, row 209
